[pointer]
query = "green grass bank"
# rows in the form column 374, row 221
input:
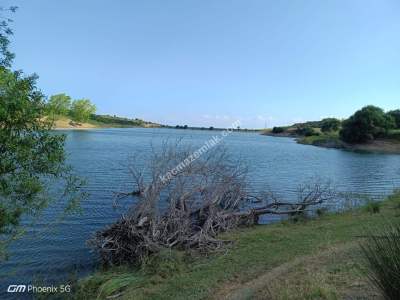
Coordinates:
column 314, row 259
column 388, row 145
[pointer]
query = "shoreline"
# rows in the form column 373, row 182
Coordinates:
column 278, row 258
column 380, row 146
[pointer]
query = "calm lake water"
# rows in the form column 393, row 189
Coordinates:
column 53, row 250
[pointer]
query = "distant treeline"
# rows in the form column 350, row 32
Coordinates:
column 83, row 110
column 364, row 125
column 107, row 119
column 212, row 128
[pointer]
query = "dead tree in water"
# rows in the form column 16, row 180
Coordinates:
column 184, row 203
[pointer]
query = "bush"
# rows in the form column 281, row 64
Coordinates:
column 306, row 131
column 81, row 110
column 395, row 114
column 321, row 211
column 278, row 130
column 165, row 263
column 382, row 254
column 366, row 124
column 117, row 120
column 373, row 207
column 59, row 104
column 330, row 124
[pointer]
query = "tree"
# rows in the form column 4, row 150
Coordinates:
column 395, row 114
column 6, row 56
column 330, row 124
column 82, row 109
column 31, row 156
column 278, row 130
column 306, row 131
column 366, row 124
column 59, row 104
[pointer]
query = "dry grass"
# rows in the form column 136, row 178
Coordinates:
column 65, row 123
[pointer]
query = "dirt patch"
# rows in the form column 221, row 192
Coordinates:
column 329, row 274
column 68, row 124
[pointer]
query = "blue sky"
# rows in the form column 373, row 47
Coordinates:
column 209, row 63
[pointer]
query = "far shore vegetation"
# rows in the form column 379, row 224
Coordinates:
column 368, row 129
column 66, row 113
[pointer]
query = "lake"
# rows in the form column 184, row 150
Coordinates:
column 52, row 250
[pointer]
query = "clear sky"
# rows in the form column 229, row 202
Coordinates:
column 211, row 62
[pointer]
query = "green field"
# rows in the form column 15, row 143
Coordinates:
column 313, row 259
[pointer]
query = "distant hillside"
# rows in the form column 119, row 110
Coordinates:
column 310, row 133
column 102, row 121
column 121, row 122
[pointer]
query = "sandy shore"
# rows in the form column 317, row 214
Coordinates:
column 65, row 123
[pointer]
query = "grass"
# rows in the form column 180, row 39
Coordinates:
column 382, row 253
column 373, row 207
column 331, row 140
column 315, row 259
column 390, row 144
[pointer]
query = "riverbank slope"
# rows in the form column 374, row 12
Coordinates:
column 100, row 121
column 389, row 145
column 317, row 258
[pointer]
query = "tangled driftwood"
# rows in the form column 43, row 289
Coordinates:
column 191, row 208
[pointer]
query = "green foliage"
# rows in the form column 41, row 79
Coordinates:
column 59, row 104
column 31, row 156
column 165, row 263
column 278, row 130
column 330, row 124
column 117, row 120
column 312, row 124
column 330, row 140
column 366, row 124
column 382, row 254
column 6, row 56
column 82, row 109
column 395, row 114
column 373, row 207
column 321, row 211
column 306, row 131
column 394, row 134
column 181, row 127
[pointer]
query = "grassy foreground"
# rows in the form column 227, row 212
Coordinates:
column 314, row 259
